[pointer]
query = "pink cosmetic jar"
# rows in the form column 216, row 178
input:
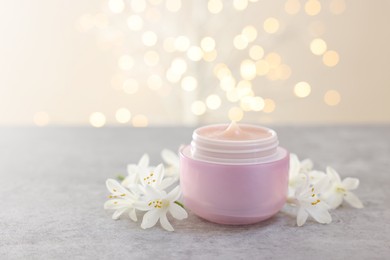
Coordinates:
column 234, row 174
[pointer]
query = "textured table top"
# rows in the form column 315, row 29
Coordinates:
column 52, row 188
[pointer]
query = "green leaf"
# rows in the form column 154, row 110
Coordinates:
column 180, row 204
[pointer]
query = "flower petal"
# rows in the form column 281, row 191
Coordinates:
column 353, row 200
column 142, row 205
column 306, row 165
column 295, row 165
column 301, row 216
column 174, row 194
column 350, row 183
column 132, row 169
column 133, row 215
column 172, row 172
column 320, row 213
column 118, row 213
column 117, row 204
column 152, row 192
column 334, row 176
column 165, row 183
column 165, row 223
column 144, row 161
column 302, row 189
column 170, row 157
column 316, row 176
column 118, row 190
column 322, row 185
column 150, row 218
column 130, row 179
column 159, row 171
column 177, row 211
column 333, row 198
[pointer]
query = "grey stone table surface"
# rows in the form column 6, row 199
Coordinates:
column 52, row 187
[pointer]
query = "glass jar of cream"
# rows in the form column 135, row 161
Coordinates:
column 234, row 174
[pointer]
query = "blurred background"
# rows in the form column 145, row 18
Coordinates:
column 173, row 62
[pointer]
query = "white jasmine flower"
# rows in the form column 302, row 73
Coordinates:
column 309, row 202
column 297, row 167
column 122, row 200
column 315, row 176
column 341, row 190
column 172, row 160
column 155, row 178
column 134, row 171
column 158, row 203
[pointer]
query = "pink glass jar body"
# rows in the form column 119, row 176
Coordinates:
column 234, row 194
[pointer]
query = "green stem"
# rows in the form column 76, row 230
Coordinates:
column 180, row 204
column 120, row 177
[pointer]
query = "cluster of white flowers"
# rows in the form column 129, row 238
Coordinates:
column 315, row 193
column 146, row 189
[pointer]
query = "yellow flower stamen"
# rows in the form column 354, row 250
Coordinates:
column 316, row 202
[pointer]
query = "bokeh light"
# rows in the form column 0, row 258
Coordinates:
column 198, row 108
column 248, row 69
column 126, row 62
column 149, row 38
column 227, row 83
column 240, row 42
column 123, row 115
column 215, row 6
column 189, row 83
column 332, row 97
column 138, row 6
column 271, row 25
column 207, row 44
column 135, row 22
column 213, row 102
column 210, row 56
column 318, row 46
column 151, row 58
column 182, row 43
column 273, row 59
column 97, row 119
column 140, row 121
column 337, row 6
column 250, row 33
column 130, row 86
column 302, row 89
column 284, row 72
column 195, row 53
column 116, row 6
column 169, row 44
column 262, row 67
column 41, row 118
column 172, row 5
column 256, row 52
column 331, row 58
column 269, row 105
column 169, row 60
column 257, row 103
column 292, row 6
column 235, row 114
column 179, row 66
column 240, row 4
column 312, row 7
